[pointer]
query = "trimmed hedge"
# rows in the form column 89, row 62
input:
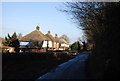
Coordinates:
column 30, row 65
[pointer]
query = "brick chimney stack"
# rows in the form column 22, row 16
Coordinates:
column 56, row 35
column 49, row 32
column 37, row 27
column 63, row 37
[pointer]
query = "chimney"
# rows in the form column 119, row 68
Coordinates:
column 56, row 35
column 63, row 37
column 37, row 27
column 49, row 32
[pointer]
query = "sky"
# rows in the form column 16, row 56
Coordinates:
column 23, row 17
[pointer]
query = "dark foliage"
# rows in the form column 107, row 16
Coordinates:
column 12, row 41
column 74, row 46
column 79, row 47
column 101, row 24
column 30, row 66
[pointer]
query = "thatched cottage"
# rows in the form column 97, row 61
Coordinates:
column 36, row 41
column 52, row 39
column 57, row 43
column 64, row 44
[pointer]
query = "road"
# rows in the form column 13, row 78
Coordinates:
column 72, row 69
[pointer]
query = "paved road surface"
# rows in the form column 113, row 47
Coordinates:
column 73, row 69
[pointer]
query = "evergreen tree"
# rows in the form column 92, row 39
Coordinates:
column 12, row 41
column 14, row 36
column 7, row 40
column 74, row 46
column 19, row 35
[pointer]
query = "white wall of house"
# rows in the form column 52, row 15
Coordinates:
column 54, row 44
column 50, row 44
column 45, row 44
column 64, row 45
column 67, row 45
column 24, row 43
column 57, row 45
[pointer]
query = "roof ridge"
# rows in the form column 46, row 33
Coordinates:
column 43, row 35
column 50, row 36
column 58, row 39
column 64, row 41
column 35, row 35
column 26, row 35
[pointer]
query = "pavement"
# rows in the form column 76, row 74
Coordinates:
column 72, row 69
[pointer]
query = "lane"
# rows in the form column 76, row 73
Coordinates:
column 73, row 69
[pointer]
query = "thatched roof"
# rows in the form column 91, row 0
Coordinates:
column 64, row 41
column 57, row 39
column 35, row 35
column 50, row 36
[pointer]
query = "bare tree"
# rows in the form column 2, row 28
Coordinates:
column 83, row 41
column 100, row 22
column 19, row 35
column 66, row 38
column 88, row 16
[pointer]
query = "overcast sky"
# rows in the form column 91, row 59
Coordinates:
column 23, row 17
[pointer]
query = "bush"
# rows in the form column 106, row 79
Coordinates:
column 30, row 65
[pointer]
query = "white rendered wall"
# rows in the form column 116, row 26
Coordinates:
column 50, row 44
column 45, row 44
